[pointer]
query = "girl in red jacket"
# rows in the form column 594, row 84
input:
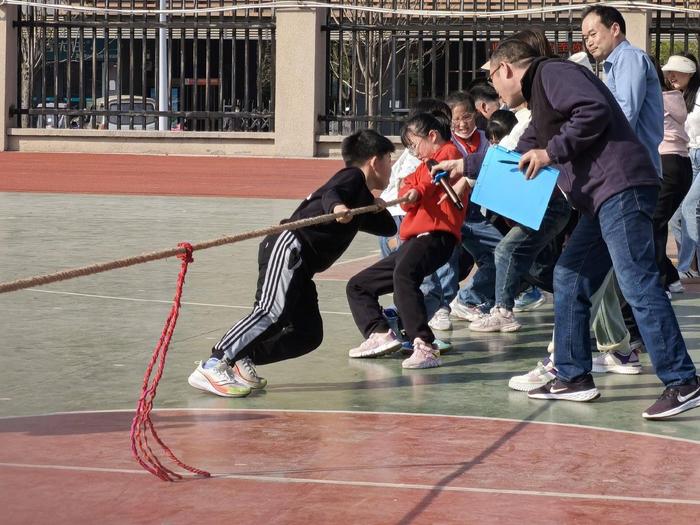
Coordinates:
column 430, row 231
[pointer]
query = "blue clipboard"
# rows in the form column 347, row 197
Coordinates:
column 502, row 188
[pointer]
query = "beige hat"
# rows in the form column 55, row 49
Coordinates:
column 581, row 58
column 680, row 64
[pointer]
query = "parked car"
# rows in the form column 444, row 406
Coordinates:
column 123, row 122
column 51, row 120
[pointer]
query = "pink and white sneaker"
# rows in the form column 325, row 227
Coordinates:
column 424, row 355
column 498, row 320
column 377, row 344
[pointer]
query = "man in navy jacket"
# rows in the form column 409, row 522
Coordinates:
column 607, row 174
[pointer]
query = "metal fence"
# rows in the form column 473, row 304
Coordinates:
column 100, row 71
column 379, row 65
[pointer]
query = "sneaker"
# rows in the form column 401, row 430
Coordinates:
column 539, row 376
column 690, row 274
column 617, row 363
column 244, row 372
column 217, row 378
column 465, row 312
column 637, row 345
column 583, row 389
column 499, row 320
column 379, row 343
column 439, row 344
column 674, row 400
column 424, row 356
column 529, row 300
column 676, row 287
column 441, row 320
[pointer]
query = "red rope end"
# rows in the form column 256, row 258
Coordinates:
column 142, row 426
column 187, row 256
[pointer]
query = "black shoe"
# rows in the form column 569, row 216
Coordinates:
column 674, row 400
column 581, row 389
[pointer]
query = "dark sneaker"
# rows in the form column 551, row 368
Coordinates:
column 582, row 389
column 674, row 400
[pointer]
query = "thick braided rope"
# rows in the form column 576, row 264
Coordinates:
column 65, row 275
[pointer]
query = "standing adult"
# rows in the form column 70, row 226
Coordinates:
column 678, row 175
column 681, row 72
column 629, row 74
column 607, row 173
column 632, row 79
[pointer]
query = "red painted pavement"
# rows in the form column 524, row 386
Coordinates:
column 376, row 469
column 163, row 175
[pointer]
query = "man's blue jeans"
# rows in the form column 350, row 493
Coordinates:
column 620, row 236
column 480, row 238
column 518, row 250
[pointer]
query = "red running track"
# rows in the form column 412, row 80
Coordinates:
column 163, row 175
column 287, row 467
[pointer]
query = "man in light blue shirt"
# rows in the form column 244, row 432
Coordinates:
column 629, row 73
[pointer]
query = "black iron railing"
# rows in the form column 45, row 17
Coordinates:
column 100, row 71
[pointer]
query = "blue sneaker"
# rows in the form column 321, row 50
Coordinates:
column 529, row 300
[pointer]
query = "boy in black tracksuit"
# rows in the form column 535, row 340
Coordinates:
column 285, row 321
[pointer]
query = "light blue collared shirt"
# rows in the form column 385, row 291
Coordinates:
column 632, row 78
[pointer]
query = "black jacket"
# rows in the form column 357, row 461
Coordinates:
column 587, row 136
column 323, row 244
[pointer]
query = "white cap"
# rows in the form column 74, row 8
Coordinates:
column 487, row 66
column 581, row 58
column 680, row 64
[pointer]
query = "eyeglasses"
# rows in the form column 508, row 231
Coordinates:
column 492, row 73
column 413, row 147
column 466, row 118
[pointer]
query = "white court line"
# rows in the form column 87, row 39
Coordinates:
column 139, row 300
column 373, row 484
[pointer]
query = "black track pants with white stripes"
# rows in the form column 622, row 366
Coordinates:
column 285, row 321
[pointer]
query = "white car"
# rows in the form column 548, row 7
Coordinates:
column 123, row 122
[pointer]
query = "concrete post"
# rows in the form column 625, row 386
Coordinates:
column 638, row 25
column 300, row 55
column 8, row 70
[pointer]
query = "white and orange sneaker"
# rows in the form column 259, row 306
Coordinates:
column 218, row 378
column 245, row 373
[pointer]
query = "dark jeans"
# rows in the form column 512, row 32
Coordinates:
column 402, row 272
column 678, row 175
column 621, row 236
